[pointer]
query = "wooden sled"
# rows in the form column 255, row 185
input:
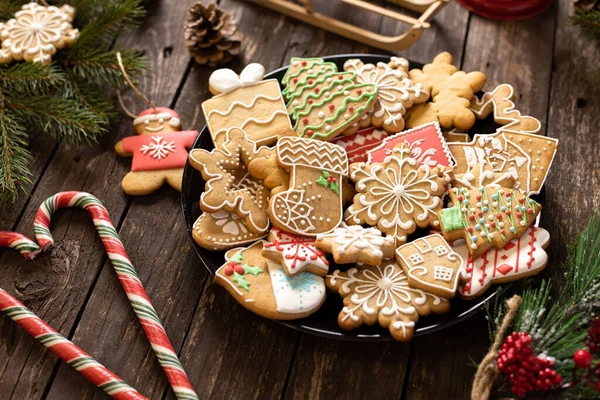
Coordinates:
column 305, row 13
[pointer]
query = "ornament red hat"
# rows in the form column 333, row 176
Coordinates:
column 159, row 110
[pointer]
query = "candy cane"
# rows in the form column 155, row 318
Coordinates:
column 126, row 273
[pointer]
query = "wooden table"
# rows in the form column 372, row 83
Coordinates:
column 227, row 351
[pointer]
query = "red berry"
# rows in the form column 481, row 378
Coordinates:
column 228, row 270
column 582, row 358
column 239, row 269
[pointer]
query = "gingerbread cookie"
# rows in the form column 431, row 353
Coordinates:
column 525, row 155
column 159, row 151
column 426, row 144
column 222, row 230
column 261, row 286
column 480, row 173
column 356, row 244
column 303, row 70
column 360, row 143
column 306, row 94
column 274, row 177
column 397, row 195
column 229, row 186
column 520, row 258
column 258, row 109
column 296, row 253
column 381, row 294
column 313, row 202
column 451, row 94
column 500, row 103
column 396, row 93
column 487, row 218
column 225, row 80
column 431, row 265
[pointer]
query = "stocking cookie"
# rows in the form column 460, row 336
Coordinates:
column 487, row 218
column 431, row 265
column 356, row 244
column 520, row 258
column 222, row 230
column 296, row 253
column 313, row 202
column 396, row 93
column 397, row 195
column 159, row 151
column 261, row 286
column 451, row 93
column 381, row 294
column 229, row 186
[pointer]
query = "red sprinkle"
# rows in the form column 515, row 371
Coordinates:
column 309, row 132
column 460, row 198
column 340, row 77
column 310, row 101
column 521, row 201
column 358, row 91
column 304, row 63
column 310, row 81
column 479, row 213
column 351, row 109
column 470, row 230
column 331, row 106
column 478, row 197
column 295, row 80
column 502, row 231
column 305, row 120
column 499, row 216
column 493, row 224
column 519, row 214
column 316, row 90
column 529, row 211
column 471, row 217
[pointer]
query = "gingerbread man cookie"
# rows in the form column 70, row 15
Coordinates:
column 296, row 253
column 381, row 294
column 159, row 151
column 229, row 186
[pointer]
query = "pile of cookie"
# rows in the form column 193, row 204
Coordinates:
column 368, row 182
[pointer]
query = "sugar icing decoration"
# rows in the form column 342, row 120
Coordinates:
column 225, row 80
column 299, row 293
column 297, row 251
column 349, row 237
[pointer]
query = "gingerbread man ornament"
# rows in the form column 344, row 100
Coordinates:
column 159, row 151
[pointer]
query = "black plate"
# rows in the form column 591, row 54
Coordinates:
column 324, row 321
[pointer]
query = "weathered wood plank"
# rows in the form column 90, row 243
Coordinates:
column 508, row 52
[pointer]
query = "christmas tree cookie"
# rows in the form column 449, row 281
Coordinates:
column 302, row 70
column 487, row 217
column 305, row 95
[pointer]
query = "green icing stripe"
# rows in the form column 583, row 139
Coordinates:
column 329, row 67
column 301, row 89
column 287, row 75
column 300, row 108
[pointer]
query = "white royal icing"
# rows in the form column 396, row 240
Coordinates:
column 301, row 293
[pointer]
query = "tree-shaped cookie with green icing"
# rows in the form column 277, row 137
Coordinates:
column 487, row 217
column 303, row 71
column 305, row 95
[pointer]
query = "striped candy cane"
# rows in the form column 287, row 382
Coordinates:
column 127, row 276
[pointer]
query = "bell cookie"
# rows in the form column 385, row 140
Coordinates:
column 360, row 143
column 396, row 92
column 381, row 294
column 229, row 186
column 313, row 202
column 520, row 258
column 397, row 195
column 431, row 265
column 261, row 286
column 451, row 94
column 222, row 231
column 487, row 218
column 296, row 253
column 527, row 157
column 258, row 109
column 225, row 80
column 356, row 244
column 426, row 144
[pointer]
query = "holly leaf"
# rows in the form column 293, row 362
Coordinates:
column 241, row 281
column 325, row 174
column 237, row 257
column 334, row 187
column 322, row 181
column 251, row 270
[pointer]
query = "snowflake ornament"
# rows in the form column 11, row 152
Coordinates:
column 158, row 148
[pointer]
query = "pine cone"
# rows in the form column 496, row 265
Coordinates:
column 586, row 5
column 211, row 35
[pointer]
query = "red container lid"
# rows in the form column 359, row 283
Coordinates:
column 506, row 9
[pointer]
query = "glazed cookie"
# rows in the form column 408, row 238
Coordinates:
column 229, row 186
column 451, row 93
column 480, row 173
column 296, row 253
column 397, row 195
column 303, row 70
column 306, row 94
column 487, row 217
column 381, row 294
column 526, row 156
column 356, row 244
column 360, row 143
column 258, row 109
column 426, row 144
column 261, row 286
column 225, row 80
column 520, row 258
column 500, row 103
column 222, row 230
column 313, row 202
column 396, row 93
column 431, row 265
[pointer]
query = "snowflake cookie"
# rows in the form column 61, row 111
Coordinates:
column 36, row 32
column 381, row 294
column 229, row 185
column 354, row 243
column 261, row 286
column 396, row 92
column 397, row 195
column 296, row 253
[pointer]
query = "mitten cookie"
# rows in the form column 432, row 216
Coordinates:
column 397, row 195
column 356, row 244
column 381, row 294
column 261, row 286
column 222, row 230
column 296, row 253
column 396, row 92
column 229, row 186
column 431, row 265
column 451, row 93
column 487, row 217
column 313, row 202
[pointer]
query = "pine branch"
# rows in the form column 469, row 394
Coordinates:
column 589, row 22
column 14, row 156
column 102, row 68
column 30, row 78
